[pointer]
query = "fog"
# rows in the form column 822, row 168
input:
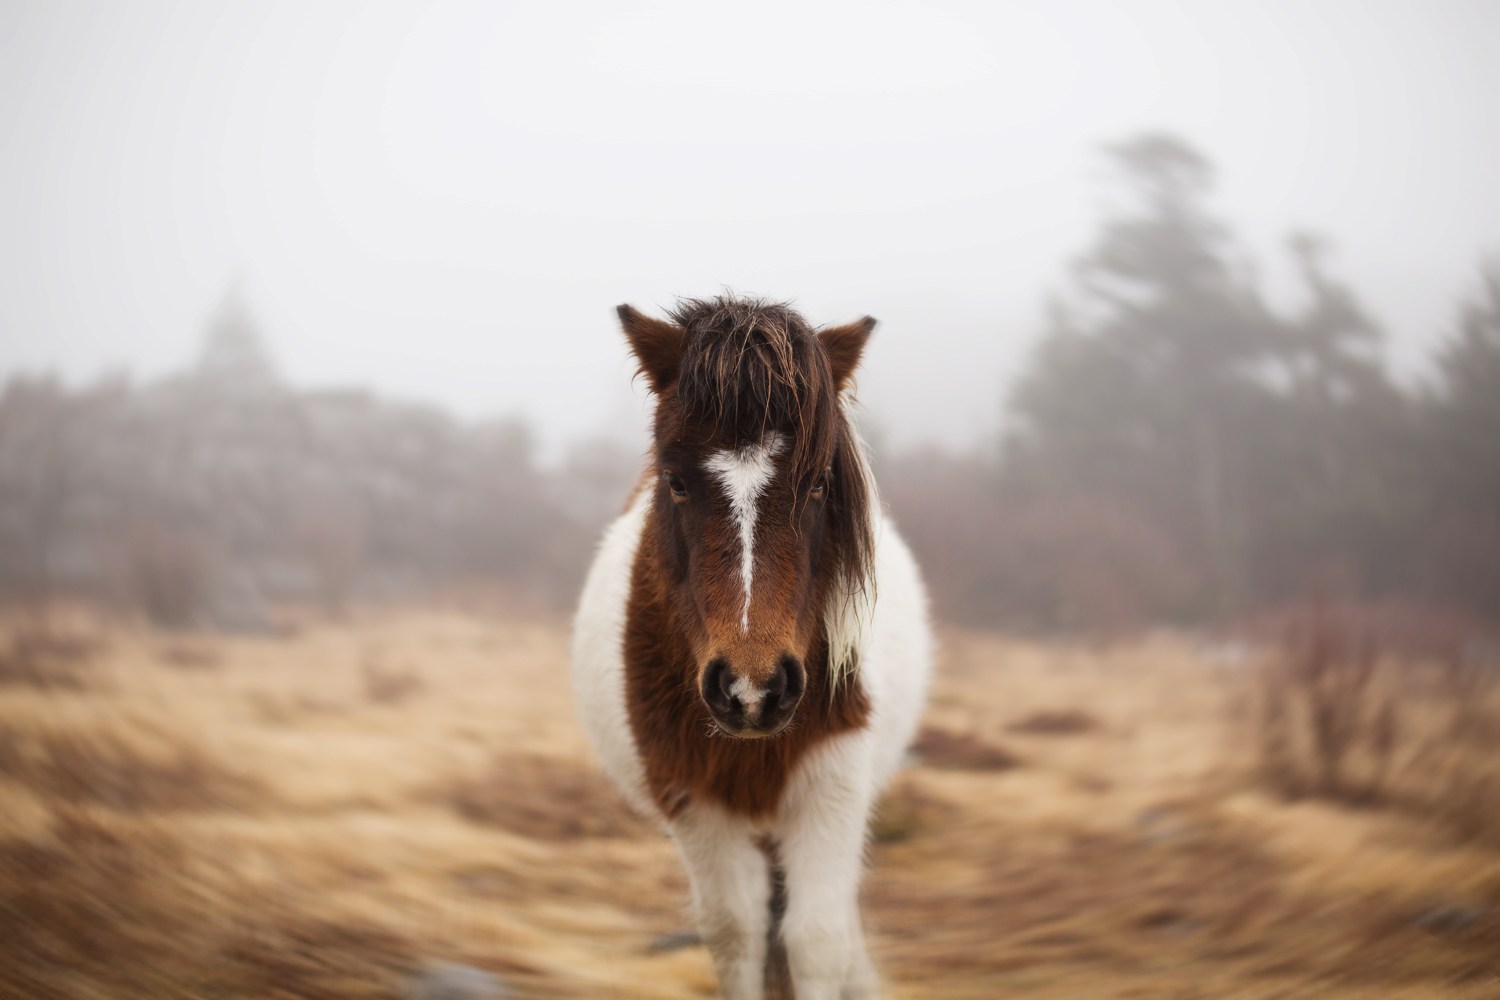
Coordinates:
column 446, row 201
column 1185, row 398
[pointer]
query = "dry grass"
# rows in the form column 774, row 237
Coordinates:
column 1055, row 722
column 107, row 768
column 941, row 748
column 545, row 798
column 38, row 653
column 1337, row 715
column 302, row 818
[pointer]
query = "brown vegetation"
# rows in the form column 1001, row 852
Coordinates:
column 545, row 798
column 131, row 773
column 942, row 748
column 40, row 654
column 1350, row 709
column 1055, row 722
column 161, row 835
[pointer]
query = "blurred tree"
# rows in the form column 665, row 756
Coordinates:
column 200, row 497
column 1139, row 394
column 1467, row 413
column 1269, row 453
column 234, row 353
column 36, row 481
column 1333, row 348
column 1336, row 490
column 1463, row 450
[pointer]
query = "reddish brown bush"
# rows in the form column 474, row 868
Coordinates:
column 1316, row 703
column 1397, row 711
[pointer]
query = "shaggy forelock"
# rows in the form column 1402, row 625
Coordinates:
column 750, row 367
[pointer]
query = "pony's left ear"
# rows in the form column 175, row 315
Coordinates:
column 844, row 345
column 657, row 346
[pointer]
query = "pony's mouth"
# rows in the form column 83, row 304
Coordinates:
column 751, row 732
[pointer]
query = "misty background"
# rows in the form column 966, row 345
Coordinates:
column 1185, row 310
column 313, row 405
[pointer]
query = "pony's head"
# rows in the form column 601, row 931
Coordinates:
column 761, row 514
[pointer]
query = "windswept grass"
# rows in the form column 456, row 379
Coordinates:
column 38, row 653
column 1343, row 713
column 324, row 814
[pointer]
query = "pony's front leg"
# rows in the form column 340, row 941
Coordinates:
column 822, row 839
column 731, row 896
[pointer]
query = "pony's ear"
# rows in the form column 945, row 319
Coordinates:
column 657, row 346
column 844, row 345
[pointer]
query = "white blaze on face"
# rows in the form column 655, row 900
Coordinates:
column 744, row 474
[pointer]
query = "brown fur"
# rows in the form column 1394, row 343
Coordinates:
column 725, row 373
column 683, row 756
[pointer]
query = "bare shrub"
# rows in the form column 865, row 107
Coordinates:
column 1316, row 705
column 1337, row 714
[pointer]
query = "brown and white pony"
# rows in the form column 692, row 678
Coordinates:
column 751, row 651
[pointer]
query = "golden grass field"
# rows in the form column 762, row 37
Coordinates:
column 324, row 812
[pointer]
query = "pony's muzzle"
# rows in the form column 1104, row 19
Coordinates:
column 746, row 709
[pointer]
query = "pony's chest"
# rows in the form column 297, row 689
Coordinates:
column 686, row 761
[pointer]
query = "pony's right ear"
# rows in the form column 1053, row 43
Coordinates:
column 657, row 346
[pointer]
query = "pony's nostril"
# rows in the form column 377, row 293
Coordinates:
column 790, row 673
column 744, row 705
column 783, row 690
column 718, row 684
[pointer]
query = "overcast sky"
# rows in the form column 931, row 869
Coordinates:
column 446, row 201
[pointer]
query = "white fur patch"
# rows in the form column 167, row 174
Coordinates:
column 744, row 474
column 599, row 655
column 748, row 694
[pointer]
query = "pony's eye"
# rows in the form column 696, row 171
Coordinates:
column 819, row 489
column 676, row 485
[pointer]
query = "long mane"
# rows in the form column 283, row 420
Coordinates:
column 749, row 367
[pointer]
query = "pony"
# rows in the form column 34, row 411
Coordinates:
column 751, row 650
